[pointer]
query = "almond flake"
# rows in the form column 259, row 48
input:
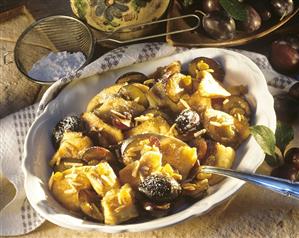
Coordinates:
column 107, row 180
column 143, row 118
column 239, row 117
column 76, row 184
column 184, row 103
column 71, row 176
column 94, row 207
column 51, row 180
column 118, row 209
column 73, row 164
column 118, row 114
column 135, row 170
column 189, row 187
column 71, row 185
column 58, row 160
column 225, row 101
column 70, row 191
column 214, row 123
column 171, row 129
column 199, row 133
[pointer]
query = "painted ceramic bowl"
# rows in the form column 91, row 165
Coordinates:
column 110, row 15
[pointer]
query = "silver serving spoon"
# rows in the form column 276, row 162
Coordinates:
column 282, row 186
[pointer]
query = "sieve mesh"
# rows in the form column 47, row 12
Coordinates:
column 52, row 34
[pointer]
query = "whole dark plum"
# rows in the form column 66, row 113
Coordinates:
column 286, row 171
column 292, row 40
column 159, row 188
column 69, row 123
column 253, row 20
column 219, row 25
column 187, row 120
column 282, row 8
column 283, row 57
column 262, row 8
column 286, row 108
column 292, row 157
column 209, row 6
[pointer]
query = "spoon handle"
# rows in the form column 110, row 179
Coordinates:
column 282, row 186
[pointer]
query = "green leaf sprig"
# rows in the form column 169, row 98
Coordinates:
column 284, row 134
column 235, row 9
column 269, row 141
column 265, row 137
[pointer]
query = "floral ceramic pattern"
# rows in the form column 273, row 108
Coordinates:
column 111, row 9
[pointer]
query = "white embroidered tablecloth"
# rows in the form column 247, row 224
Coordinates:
column 17, row 217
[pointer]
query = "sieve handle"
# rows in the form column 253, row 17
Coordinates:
column 121, row 29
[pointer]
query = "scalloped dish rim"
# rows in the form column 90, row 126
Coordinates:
column 40, row 199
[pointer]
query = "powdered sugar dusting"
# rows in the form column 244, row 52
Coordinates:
column 56, row 65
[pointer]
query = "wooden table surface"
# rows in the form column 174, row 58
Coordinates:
column 253, row 212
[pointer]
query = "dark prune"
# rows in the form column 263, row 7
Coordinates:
column 219, row 25
column 283, row 57
column 253, row 20
column 282, row 8
column 286, row 171
column 69, row 123
column 211, row 6
column 159, row 188
column 286, row 108
column 187, row 120
column 292, row 157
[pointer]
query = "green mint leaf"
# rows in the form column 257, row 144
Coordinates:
column 235, row 9
column 265, row 138
column 283, row 134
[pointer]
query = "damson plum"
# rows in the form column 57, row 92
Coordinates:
column 219, row 26
column 159, row 188
column 286, row 108
column 292, row 157
column 284, row 58
column 211, row 6
column 69, row 123
column 286, row 171
column 262, row 8
column 187, row 120
column 293, row 41
column 253, row 20
column 282, row 8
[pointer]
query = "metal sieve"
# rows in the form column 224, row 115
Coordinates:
column 64, row 33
